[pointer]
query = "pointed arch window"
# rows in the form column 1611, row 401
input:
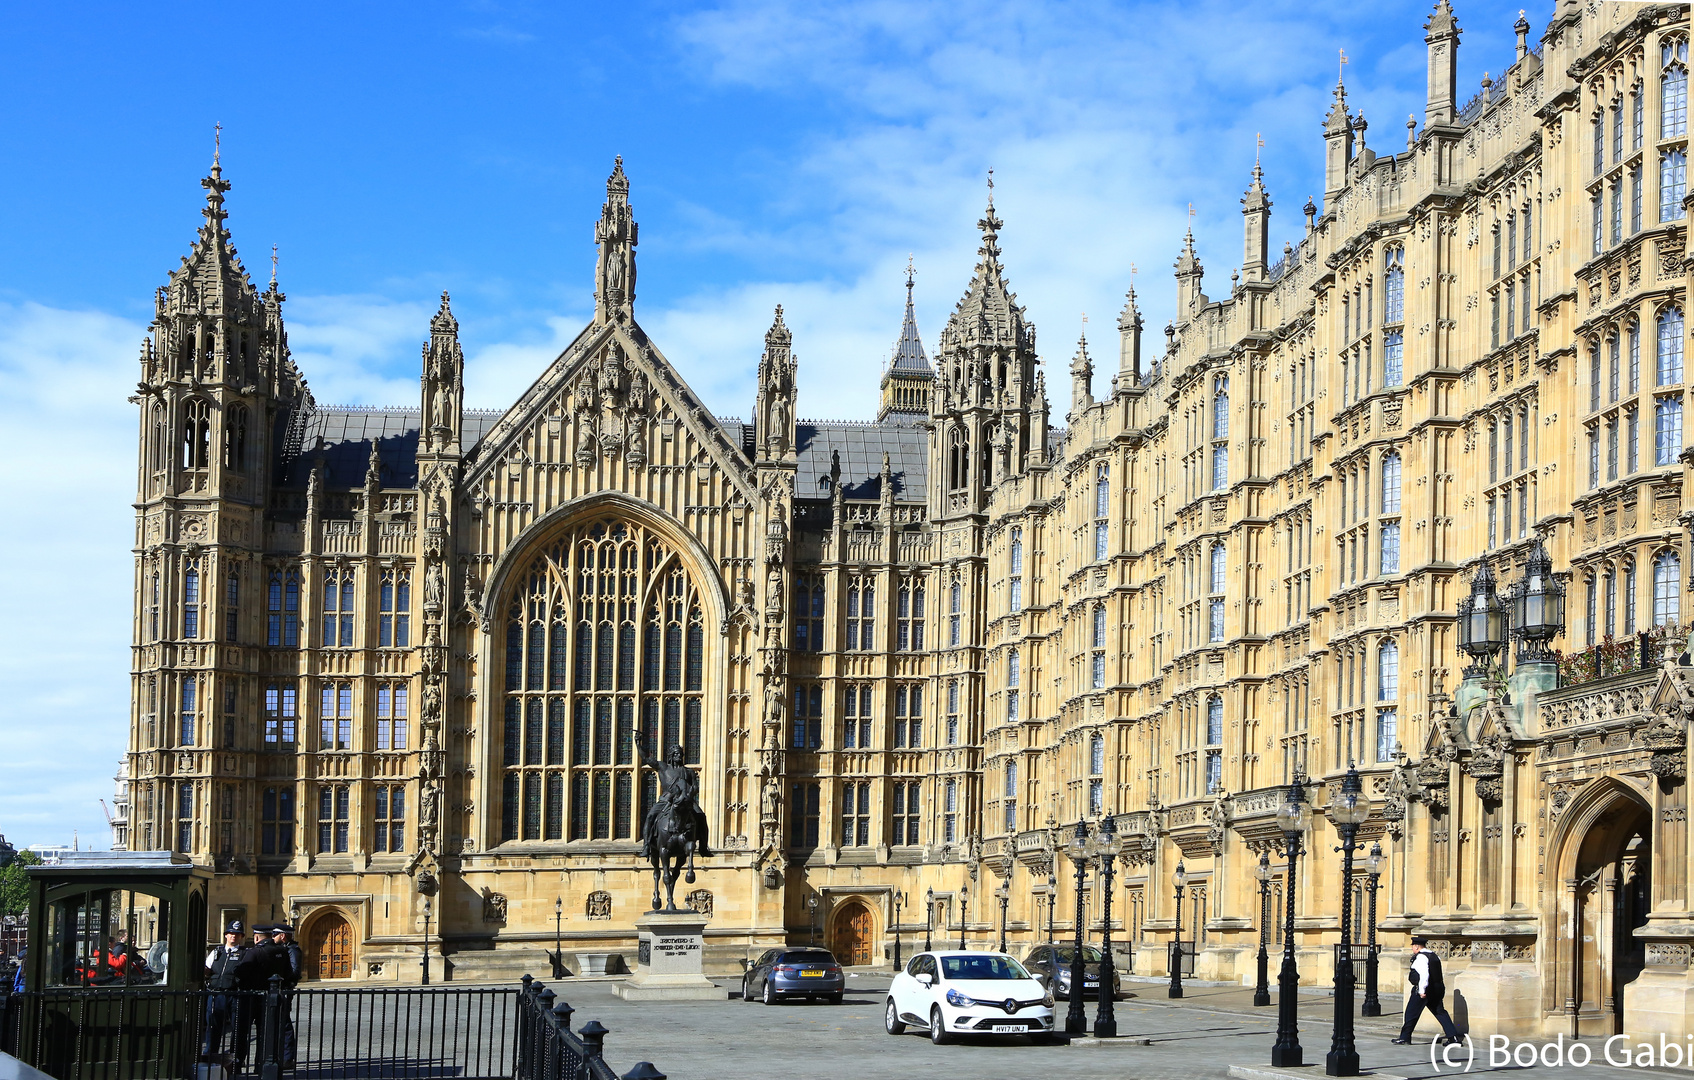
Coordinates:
column 191, row 600
column 1214, row 720
column 955, row 612
column 1673, row 183
column 1667, row 588
column 1629, row 596
column 1014, row 677
column 808, row 613
column 1097, row 643
column 235, row 438
column 282, row 602
column 161, row 438
column 1096, row 754
column 394, row 627
column 909, row 617
column 1014, row 582
column 1388, row 671
column 1394, row 286
column 1009, row 795
column 1391, row 483
column 1220, row 433
column 1670, row 347
column 1673, row 88
column 1102, row 509
column 338, row 598
column 861, row 613
column 196, row 433
column 1215, row 605
column 153, row 608
column 604, row 631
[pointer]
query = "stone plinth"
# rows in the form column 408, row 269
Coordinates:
column 669, row 962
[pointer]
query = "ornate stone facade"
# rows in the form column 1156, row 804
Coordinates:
column 375, row 647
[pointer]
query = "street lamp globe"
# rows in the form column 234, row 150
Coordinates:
column 1295, row 814
column 1374, row 861
column 1108, row 844
column 1348, row 808
column 1004, row 890
column 1263, row 871
column 1077, row 847
column 1180, row 878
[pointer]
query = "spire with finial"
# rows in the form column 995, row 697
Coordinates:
column 1129, row 338
column 443, row 383
column 616, row 235
column 778, row 382
column 906, row 383
column 1082, row 373
column 373, row 468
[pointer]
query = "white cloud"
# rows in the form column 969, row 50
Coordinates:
column 64, row 639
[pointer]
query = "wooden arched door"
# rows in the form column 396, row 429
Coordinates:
column 854, row 931
column 332, row 947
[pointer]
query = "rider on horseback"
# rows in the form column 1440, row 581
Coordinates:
column 679, row 791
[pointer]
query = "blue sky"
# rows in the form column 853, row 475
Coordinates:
column 778, row 153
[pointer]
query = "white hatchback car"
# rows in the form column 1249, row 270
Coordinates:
column 968, row 993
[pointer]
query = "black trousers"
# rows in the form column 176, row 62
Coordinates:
column 1415, row 1005
column 229, row 1014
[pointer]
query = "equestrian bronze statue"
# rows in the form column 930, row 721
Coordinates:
column 674, row 830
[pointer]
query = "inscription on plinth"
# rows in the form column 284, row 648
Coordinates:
column 670, row 960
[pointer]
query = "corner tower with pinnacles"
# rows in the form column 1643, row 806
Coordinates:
column 375, row 645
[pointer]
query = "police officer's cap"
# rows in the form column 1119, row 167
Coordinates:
column 281, row 928
column 234, row 927
column 263, row 928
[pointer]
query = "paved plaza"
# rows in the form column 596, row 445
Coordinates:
column 1196, row 1038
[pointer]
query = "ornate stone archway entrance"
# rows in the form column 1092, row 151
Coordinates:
column 1605, row 878
column 853, row 934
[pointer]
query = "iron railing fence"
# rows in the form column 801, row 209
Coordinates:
column 340, row 1033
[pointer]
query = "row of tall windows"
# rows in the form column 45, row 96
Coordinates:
column 860, row 632
column 1610, row 597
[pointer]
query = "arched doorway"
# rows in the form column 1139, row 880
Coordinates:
column 330, row 947
column 853, row 935
column 1607, row 897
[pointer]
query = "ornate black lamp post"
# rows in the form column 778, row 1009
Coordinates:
column 1348, row 812
column 964, row 908
column 1107, row 844
column 1372, row 1006
column 1538, row 606
column 1076, row 1017
column 928, row 917
column 1292, row 817
column 1052, row 899
column 1004, row 892
column 1180, row 878
column 1482, row 622
column 899, row 902
column 558, row 937
column 812, row 910
column 1261, row 991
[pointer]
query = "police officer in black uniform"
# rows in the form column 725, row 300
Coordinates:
column 291, row 969
column 223, row 1006
column 263, row 960
column 1427, row 989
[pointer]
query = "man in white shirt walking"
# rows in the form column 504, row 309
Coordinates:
column 1427, row 990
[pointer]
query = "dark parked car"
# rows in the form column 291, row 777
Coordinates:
column 1043, row 959
column 780, row 974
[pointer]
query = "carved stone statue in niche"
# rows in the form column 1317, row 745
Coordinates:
column 435, row 588
column 775, row 707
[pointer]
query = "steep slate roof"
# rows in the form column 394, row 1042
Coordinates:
column 861, row 446
column 347, row 432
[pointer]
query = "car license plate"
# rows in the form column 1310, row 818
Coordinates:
column 1007, row 1029
column 811, row 974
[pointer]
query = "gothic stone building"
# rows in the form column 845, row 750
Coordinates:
column 377, row 644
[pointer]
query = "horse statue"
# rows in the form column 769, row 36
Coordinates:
column 674, row 830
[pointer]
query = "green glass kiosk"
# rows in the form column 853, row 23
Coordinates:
column 116, row 944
